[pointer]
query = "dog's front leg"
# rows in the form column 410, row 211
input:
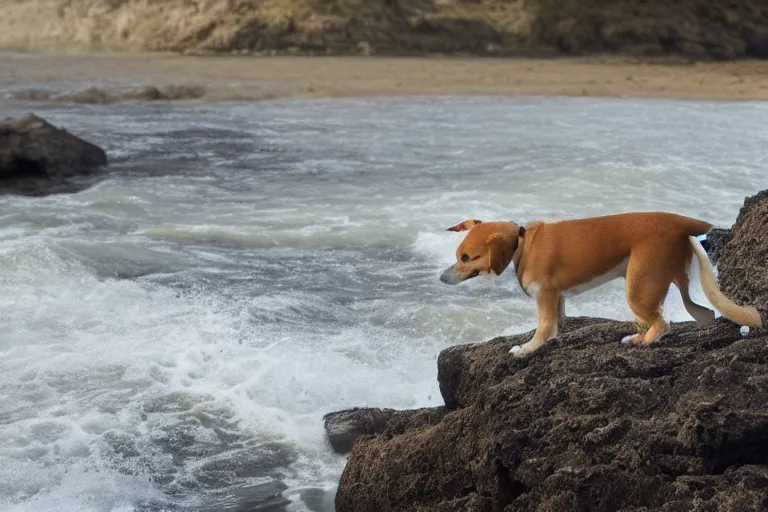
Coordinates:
column 548, row 307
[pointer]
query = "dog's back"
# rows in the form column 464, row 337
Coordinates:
column 574, row 252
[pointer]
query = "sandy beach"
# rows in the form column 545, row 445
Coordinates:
column 257, row 78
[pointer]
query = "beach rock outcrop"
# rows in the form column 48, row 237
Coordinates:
column 588, row 424
column 743, row 262
column 343, row 428
column 36, row 156
column 700, row 29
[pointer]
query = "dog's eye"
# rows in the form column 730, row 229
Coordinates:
column 465, row 257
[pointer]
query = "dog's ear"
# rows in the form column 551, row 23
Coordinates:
column 500, row 252
column 465, row 225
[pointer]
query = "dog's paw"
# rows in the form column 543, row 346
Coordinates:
column 524, row 349
column 633, row 339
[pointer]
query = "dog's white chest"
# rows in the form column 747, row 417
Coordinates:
column 619, row 270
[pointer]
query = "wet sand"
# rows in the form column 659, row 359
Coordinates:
column 255, row 78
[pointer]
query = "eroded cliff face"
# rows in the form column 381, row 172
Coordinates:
column 693, row 28
column 588, row 424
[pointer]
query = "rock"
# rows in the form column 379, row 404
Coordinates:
column 717, row 239
column 35, row 154
column 465, row 370
column 344, row 428
column 585, row 424
column 588, row 424
column 743, row 264
column 695, row 29
column 99, row 96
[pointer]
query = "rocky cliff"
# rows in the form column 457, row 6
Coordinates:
column 693, row 28
column 585, row 423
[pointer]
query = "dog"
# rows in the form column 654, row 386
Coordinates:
column 554, row 260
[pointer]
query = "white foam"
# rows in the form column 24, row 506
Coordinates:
column 438, row 247
column 90, row 352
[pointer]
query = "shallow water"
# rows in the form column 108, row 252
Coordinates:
column 173, row 334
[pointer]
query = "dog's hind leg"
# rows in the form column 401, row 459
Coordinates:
column 703, row 316
column 647, row 286
column 561, row 309
column 548, row 308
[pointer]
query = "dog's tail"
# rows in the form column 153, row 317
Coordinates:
column 742, row 315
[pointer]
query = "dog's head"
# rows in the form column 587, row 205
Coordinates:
column 487, row 249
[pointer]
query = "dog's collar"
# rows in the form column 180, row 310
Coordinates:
column 519, row 249
column 520, row 233
column 517, row 256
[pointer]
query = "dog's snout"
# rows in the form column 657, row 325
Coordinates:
column 450, row 275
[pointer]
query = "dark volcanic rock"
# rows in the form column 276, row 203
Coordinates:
column 35, row 155
column 583, row 424
column 743, row 264
column 588, row 424
column 344, row 428
column 717, row 239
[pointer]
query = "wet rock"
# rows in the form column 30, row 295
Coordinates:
column 252, row 462
column 344, row 427
column 586, row 423
column 100, row 96
column 318, row 500
column 260, row 497
column 36, row 156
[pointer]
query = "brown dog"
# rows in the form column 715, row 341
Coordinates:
column 554, row 260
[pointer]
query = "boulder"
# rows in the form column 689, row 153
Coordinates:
column 35, row 154
column 586, row 423
column 344, row 428
column 743, row 263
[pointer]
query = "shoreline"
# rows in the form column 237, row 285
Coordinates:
column 253, row 78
